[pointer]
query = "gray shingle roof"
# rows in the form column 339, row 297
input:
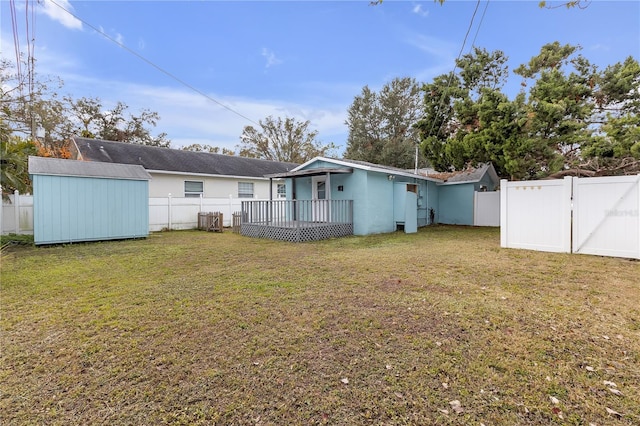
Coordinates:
column 176, row 160
column 473, row 175
column 62, row 167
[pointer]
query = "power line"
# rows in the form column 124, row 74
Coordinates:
column 159, row 68
column 486, row 5
column 16, row 42
column 464, row 42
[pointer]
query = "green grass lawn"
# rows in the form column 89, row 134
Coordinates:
column 206, row 328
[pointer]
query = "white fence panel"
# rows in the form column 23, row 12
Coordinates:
column 486, row 208
column 182, row 212
column 16, row 216
column 536, row 215
column 606, row 216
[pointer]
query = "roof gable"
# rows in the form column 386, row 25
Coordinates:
column 472, row 175
column 176, row 160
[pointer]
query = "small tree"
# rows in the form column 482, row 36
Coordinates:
column 14, row 154
column 382, row 125
column 286, row 140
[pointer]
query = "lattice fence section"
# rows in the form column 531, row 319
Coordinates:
column 297, row 234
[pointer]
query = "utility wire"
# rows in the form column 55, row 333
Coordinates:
column 162, row 70
column 464, row 42
column 486, row 5
column 16, row 42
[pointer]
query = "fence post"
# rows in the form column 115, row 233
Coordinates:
column 638, row 214
column 169, row 216
column 1, row 212
column 475, row 208
column 504, row 190
column 16, row 210
column 567, row 214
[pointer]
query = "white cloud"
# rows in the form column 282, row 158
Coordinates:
column 59, row 13
column 271, row 58
column 188, row 117
column 601, row 47
column 119, row 38
column 443, row 55
column 418, row 10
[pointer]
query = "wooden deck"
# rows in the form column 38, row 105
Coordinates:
column 272, row 220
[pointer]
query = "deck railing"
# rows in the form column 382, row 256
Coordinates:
column 297, row 213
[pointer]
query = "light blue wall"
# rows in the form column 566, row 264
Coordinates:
column 456, row 204
column 430, row 202
column 374, row 211
column 487, row 182
column 71, row 209
column 373, row 197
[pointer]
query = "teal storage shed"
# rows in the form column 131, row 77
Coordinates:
column 77, row 201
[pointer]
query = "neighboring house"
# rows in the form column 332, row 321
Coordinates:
column 188, row 173
column 338, row 194
column 456, row 193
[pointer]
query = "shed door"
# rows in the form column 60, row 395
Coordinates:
column 320, row 199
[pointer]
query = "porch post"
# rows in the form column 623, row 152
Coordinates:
column 293, row 197
column 327, row 188
column 270, row 203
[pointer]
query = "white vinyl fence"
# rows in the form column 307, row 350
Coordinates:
column 599, row 216
column 182, row 213
column 486, row 208
column 16, row 215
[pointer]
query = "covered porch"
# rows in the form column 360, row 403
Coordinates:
column 297, row 220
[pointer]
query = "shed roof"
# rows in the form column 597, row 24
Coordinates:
column 63, row 167
column 177, row 160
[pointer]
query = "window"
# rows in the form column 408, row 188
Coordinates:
column 282, row 190
column 193, row 188
column 245, row 189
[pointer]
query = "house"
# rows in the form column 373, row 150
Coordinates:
column 82, row 201
column 327, row 197
column 190, row 174
column 457, row 189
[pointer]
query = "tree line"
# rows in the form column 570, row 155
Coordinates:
column 569, row 117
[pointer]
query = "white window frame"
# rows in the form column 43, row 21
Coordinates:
column 192, row 193
column 245, row 189
column 281, row 190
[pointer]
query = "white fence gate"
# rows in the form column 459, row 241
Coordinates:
column 575, row 215
column 606, row 218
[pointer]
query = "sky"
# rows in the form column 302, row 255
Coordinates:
column 210, row 68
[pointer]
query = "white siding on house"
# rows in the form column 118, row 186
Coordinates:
column 162, row 184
